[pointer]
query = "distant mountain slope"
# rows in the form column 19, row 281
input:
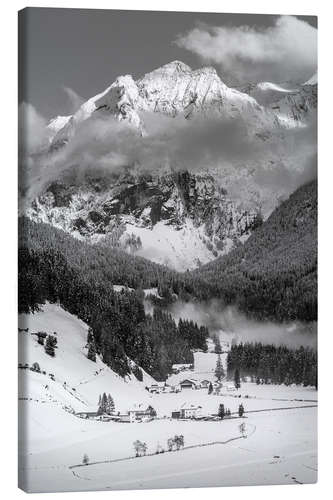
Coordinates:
column 274, row 274
column 176, row 219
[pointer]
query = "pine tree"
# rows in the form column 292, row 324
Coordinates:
column 237, row 379
column 41, row 337
column 241, row 410
column 92, row 352
column 110, row 406
column 103, row 404
column 221, row 412
column 50, row 345
column 90, row 336
column 219, row 371
column 152, row 411
column 218, row 348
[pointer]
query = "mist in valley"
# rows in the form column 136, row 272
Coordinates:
column 232, row 324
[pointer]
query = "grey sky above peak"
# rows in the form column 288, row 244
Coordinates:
column 69, row 55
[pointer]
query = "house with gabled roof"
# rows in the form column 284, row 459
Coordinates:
column 189, row 383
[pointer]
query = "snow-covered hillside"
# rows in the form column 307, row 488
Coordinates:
column 78, row 382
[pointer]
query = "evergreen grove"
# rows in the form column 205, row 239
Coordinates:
column 272, row 364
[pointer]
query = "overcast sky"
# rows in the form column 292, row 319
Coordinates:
column 73, row 53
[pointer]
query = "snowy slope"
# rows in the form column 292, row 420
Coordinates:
column 265, row 93
column 84, row 380
column 313, row 80
column 57, row 123
column 181, row 249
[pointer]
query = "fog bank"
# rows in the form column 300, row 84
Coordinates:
column 231, row 323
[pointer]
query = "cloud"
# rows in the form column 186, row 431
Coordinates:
column 285, row 51
column 32, row 129
column 32, row 139
column 106, row 147
column 74, row 99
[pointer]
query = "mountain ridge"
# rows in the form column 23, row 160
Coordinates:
column 156, row 216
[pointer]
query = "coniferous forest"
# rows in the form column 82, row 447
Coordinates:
column 267, row 363
column 55, row 267
column 272, row 276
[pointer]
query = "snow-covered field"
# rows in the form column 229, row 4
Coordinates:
column 280, row 447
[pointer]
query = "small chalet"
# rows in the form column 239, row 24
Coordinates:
column 158, row 387
column 189, row 383
column 190, row 411
column 204, row 384
column 161, row 387
column 175, row 414
column 217, row 387
column 181, row 367
column 138, row 413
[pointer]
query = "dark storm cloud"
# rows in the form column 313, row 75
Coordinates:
column 285, row 51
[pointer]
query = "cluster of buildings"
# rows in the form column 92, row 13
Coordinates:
column 188, row 383
column 138, row 413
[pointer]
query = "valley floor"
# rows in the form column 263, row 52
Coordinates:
column 279, row 447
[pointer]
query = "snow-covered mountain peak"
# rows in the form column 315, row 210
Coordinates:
column 172, row 89
column 121, row 100
column 172, row 67
column 313, row 80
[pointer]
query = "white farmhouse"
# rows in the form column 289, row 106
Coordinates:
column 190, row 411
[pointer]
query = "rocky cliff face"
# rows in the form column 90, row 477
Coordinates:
column 178, row 219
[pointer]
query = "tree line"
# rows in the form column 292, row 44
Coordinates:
column 267, row 363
